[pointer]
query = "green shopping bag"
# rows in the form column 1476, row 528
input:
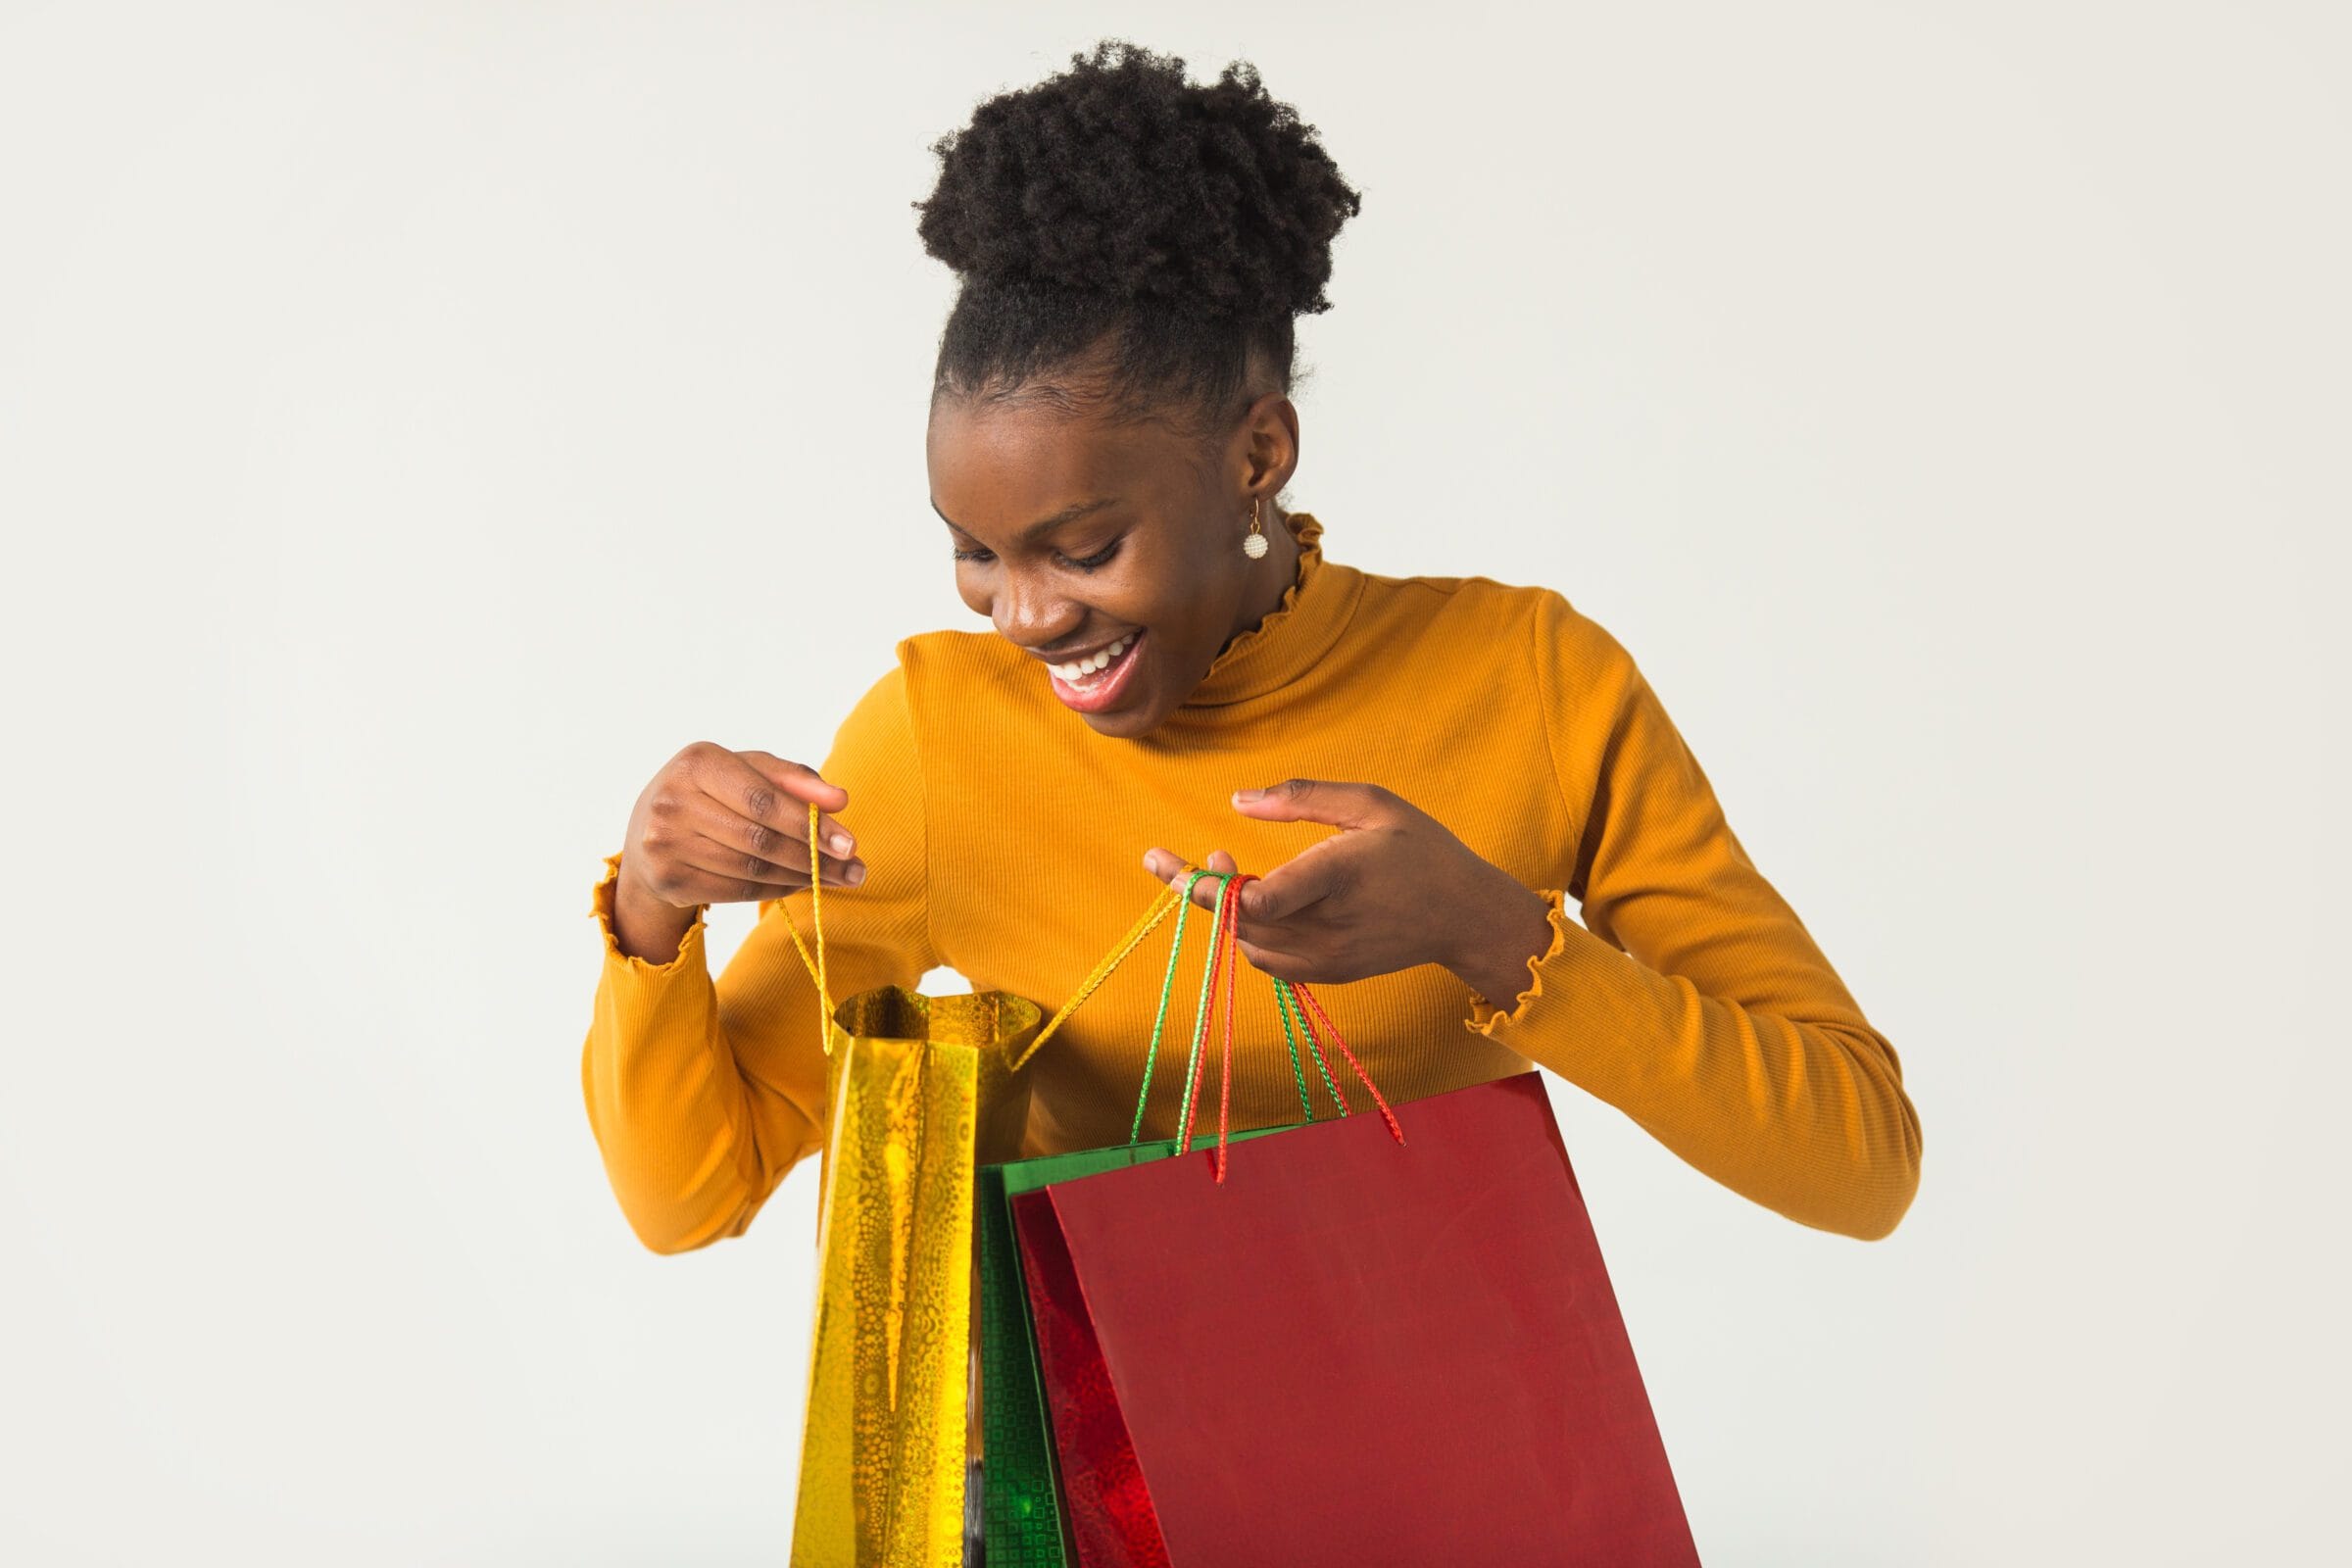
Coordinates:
column 1022, row 1517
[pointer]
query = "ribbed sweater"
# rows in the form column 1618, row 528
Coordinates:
column 1004, row 839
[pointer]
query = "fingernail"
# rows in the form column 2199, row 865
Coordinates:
column 1247, row 795
column 856, row 871
column 1152, row 863
column 840, row 842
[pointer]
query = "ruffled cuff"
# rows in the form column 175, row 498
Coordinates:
column 600, row 907
column 1487, row 1017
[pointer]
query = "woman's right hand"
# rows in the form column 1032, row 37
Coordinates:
column 716, row 826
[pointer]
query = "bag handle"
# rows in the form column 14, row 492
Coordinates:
column 1170, row 897
column 816, row 918
column 1293, row 998
column 1191, row 1063
column 1158, row 911
column 1223, row 942
column 1167, row 984
column 1179, row 899
column 1223, row 936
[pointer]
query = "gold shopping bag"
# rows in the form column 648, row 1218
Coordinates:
column 920, row 1091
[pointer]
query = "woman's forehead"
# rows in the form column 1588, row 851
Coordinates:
column 1006, row 466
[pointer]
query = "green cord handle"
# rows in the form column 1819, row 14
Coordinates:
column 1285, row 999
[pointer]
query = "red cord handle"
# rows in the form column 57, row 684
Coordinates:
column 1226, row 937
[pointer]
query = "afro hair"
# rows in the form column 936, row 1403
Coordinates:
column 1117, row 215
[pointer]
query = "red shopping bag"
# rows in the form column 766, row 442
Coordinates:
column 1366, row 1340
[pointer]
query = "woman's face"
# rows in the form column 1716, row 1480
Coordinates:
column 1072, row 534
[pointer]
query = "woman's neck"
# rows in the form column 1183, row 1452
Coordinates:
column 1271, row 576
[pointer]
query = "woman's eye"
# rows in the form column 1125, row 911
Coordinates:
column 1099, row 559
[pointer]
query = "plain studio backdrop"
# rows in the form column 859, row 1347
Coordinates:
column 418, row 421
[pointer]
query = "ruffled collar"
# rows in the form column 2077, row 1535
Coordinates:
column 1293, row 636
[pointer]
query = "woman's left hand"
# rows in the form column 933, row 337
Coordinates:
column 1393, row 889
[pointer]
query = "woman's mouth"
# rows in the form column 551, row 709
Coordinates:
column 1090, row 685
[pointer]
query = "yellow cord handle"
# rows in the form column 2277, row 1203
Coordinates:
column 1170, row 898
column 1161, row 909
column 816, row 917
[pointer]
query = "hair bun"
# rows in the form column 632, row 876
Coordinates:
column 1120, row 178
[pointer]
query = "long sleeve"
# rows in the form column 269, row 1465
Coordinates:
column 701, row 1095
column 1693, row 998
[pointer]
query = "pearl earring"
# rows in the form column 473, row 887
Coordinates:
column 1254, row 545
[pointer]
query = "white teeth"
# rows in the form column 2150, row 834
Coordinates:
column 1079, row 670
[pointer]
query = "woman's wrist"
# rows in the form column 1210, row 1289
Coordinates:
column 645, row 926
column 1504, row 930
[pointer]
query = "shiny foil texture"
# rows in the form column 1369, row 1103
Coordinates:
column 919, row 1092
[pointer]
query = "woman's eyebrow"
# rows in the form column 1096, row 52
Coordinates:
column 1068, row 514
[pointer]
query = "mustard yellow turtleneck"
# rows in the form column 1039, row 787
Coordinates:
column 1004, row 839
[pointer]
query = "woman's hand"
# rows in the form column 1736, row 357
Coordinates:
column 716, row 826
column 1393, row 889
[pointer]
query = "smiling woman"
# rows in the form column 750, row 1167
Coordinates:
column 1170, row 663
column 1111, row 420
column 1110, row 435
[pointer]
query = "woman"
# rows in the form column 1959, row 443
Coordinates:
column 1423, row 770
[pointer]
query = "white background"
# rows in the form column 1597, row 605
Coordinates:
column 418, row 421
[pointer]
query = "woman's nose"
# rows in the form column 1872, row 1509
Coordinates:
column 1031, row 617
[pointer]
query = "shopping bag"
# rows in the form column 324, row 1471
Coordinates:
column 1021, row 1515
column 1025, row 1500
column 919, row 1089
column 1352, row 1343
column 1023, row 1519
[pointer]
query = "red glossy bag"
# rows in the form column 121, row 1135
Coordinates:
column 1383, row 1339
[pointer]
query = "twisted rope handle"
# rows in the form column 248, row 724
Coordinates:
column 816, row 917
column 1170, row 899
column 1159, row 1020
column 1225, row 940
column 1200, row 1013
column 1191, row 1067
column 1287, row 1002
column 1337, row 1039
column 1223, row 936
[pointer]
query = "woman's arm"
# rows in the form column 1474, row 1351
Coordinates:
column 703, row 1095
column 1693, row 998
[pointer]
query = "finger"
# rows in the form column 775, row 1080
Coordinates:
column 1293, row 886
column 800, row 779
column 778, row 793
column 1315, row 799
column 707, row 872
column 1273, row 961
column 1165, row 864
column 1173, row 869
column 760, row 848
column 1206, row 891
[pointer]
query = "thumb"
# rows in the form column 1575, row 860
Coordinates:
column 1313, row 800
column 1290, row 887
